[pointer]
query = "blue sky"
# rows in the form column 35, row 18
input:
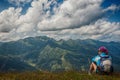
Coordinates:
column 115, row 16
column 4, row 4
column 60, row 19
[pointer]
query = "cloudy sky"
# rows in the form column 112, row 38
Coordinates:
column 60, row 19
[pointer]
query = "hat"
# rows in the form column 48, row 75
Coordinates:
column 103, row 49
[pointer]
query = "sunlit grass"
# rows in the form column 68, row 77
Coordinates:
column 67, row 75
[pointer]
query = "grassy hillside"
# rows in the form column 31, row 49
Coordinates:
column 68, row 75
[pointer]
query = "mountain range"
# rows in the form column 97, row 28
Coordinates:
column 46, row 54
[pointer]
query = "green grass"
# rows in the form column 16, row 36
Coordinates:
column 68, row 75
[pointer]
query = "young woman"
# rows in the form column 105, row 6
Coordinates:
column 102, row 63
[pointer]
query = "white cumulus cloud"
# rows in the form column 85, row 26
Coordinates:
column 100, row 30
column 73, row 14
column 76, row 19
column 8, row 19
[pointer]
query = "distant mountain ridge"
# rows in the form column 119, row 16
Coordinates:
column 43, row 53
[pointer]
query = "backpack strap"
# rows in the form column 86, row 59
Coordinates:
column 104, row 57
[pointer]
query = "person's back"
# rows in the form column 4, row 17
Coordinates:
column 102, row 63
